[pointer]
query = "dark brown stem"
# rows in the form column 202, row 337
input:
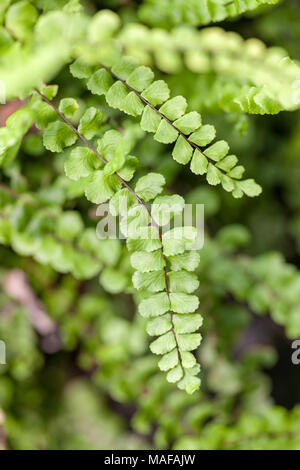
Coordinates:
column 140, row 201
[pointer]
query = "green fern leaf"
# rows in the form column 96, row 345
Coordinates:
column 57, row 136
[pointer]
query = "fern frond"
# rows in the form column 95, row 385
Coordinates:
column 165, row 256
column 133, row 91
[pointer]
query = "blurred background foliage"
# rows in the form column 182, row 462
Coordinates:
column 79, row 374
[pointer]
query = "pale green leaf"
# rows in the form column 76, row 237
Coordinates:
column 149, row 242
column 20, row 18
column 189, row 383
column 121, row 202
column 81, row 70
column 90, row 122
column 164, row 208
column 84, row 266
column 174, row 108
column 50, row 91
column 249, row 187
column 199, row 163
column 233, row 236
column 100, row 188
column 237, row 172
column 116, row 95
column 184, row 303
column 153, row 281
column 165, row 133
column 182, row 151
column 149, row 186
column 163, row 344
column 20, row 121
column 23, row 243
column 154, row 306
column 169, row 360
column 108, row 143
column 203, row 136
column 217, row 151
column 132, row 104
column 47, row 249
column 227, row 163
column 213, row 175
column 45, row 114
column 124, row 145
column 108, row 250
column 178, row 240
column 57, row 136
column 150, row 120
column 114, row 164
column 174, row 375
column 187, row 323
column 113, row 280
column 158, row 92
column 183, row 281
column 227, row 183
column 188, row 261
column 7, row 139
column 188, row 359
column 140, row 78
column 189, row 341
column 189, row 122
column 237, row 193
column 68, row 107
column 81, row 162
column 123, row 69
column 134, row 224
column 159, row 326
column 128, row 169
column 103, row 25
column 147, row 261
column 100, row 82
column 68, row 225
